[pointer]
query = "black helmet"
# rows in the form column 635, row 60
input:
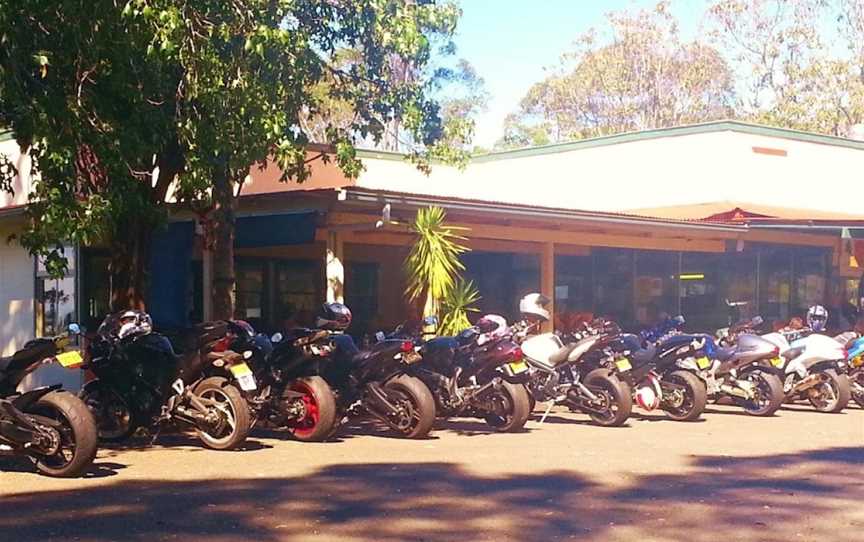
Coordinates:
column 334, row 317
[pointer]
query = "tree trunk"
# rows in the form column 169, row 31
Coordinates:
column 130, row 260
column 225, row 204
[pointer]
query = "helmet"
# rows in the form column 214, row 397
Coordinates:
column 133, row 323
column 491, row 328
column 334, row 317
column 534, row 304
column 817, row 317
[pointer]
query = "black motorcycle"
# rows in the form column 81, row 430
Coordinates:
column 376, row 381
column 52, row 427
column 142, row 382
column 290, row 393
column 469, row 377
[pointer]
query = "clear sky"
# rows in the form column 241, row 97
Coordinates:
column 510, row 42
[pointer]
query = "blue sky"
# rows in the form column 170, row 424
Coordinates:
column 510, row 42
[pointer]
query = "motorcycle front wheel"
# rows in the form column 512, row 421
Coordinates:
column 225, row 399
column 115, row 421
column 75, row 431
column 416, row 404
column 768, row 396
column 833, row 393
column 511, row 407
column 319, row 408
column 690, row 396
column 614, row 396
column 858, row 387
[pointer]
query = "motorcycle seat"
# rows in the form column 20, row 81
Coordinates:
column 643, row 356
column 562, row 354
column 35, row 351
column 725, row 353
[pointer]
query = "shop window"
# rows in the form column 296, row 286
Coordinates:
column 249, row 289
column 573, row 295
column 502, row 279
column 775, row 284
column 699, row 289
column 613, row 285
column 811, row 271
column 95, row 302
column 55, row 298
column 655, row 286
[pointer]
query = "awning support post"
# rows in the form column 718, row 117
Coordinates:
column 334, row 268
column 547, row 280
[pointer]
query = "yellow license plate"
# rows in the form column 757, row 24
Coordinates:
column 70, row 360
column 241, row 369
column 623, row 364
column 411, row 357
column 518, row 367
column 703, row 362
column 777, row 362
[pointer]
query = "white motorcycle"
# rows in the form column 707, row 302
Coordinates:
column 812, row 369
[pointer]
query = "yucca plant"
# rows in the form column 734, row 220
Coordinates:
column 433, row 264
column 455, row 308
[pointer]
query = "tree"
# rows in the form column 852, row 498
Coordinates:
column 641, row 76
column 220, row 87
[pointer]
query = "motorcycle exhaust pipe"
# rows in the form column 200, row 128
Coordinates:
column 495, row 383
column 734, row 391
column 808, row 382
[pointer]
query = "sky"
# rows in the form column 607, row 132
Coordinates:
column 510, row 42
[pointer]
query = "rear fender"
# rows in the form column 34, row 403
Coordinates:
column 824, row 366
column 25, row 400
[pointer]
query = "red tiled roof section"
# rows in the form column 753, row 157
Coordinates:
column 740, row 213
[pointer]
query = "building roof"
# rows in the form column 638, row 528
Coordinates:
column 741, row 212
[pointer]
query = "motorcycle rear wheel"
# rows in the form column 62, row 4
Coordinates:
column 770, row 396
column 616, row 395
column 840, row 389
column 695, row 396
column 225, row 397
column 320, row 407
column 115, row 421
column 513, row 407
column 78, row 439
column 413, row 395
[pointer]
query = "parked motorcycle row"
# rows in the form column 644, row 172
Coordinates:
column 221, row 379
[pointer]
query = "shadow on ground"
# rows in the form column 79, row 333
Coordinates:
column 806, row 496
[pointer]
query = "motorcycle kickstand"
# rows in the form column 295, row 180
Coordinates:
column 548, row 410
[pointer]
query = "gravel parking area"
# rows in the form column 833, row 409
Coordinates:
column 795, row 476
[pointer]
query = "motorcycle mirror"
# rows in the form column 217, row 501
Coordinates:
column 276, row 338
column 380, row 336
column 430, row 320
column 74, row 329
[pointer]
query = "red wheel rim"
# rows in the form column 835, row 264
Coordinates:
column 306, row 425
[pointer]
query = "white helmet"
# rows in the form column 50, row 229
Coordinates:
column 134, row 323
column 534, row 304
column 491, row 327
column 817, row 317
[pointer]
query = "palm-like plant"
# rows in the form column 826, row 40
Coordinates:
column 433, row 264
column 456, row 306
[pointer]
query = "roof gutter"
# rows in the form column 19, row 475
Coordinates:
column 362, row 196
column 12, row 211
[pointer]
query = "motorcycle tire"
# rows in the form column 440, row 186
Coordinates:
column 515, row 408
column 219, row 389
column 858, row 396
column 78, row 432
column 842, row 393
column 771, row 388
column 695, row 396
column 532, row 404
column 417, row 397
column 616, row 393
column 320, row 405
column 123, row 422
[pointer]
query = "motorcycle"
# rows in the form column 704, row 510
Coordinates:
column 855, row 365
column 52, row 427
column 471, row 377
column 655, row 375
column 141, row 382
column 290, row 393
column 377, row 381
column 575, row 375
column 811, row 365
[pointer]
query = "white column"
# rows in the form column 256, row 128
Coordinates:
column 547, row 280
column 334, row 268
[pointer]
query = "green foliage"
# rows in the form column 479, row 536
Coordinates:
column 433, row 264
column 456, row 306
